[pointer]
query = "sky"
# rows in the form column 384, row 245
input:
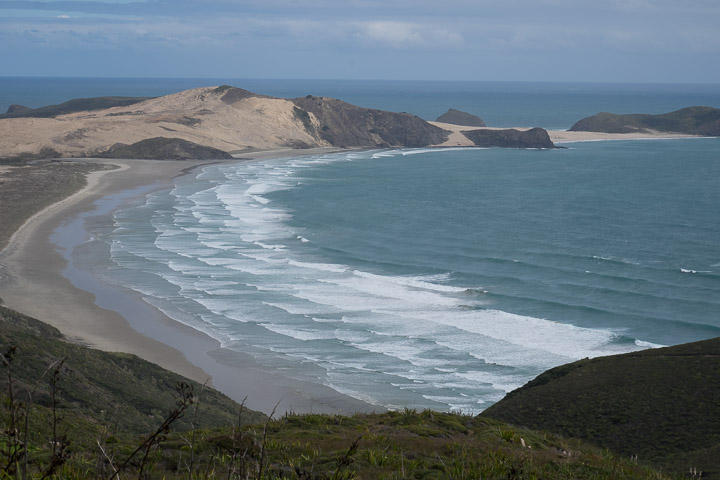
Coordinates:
column 665, row 41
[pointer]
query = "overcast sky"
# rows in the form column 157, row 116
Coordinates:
column 554, row 40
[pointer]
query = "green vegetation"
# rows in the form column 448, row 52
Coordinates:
column 72, row 412
column 662, row 405
column 101, row 384
column 28, row 188
column 162, row 148
column 692, row 121
column 72, row 106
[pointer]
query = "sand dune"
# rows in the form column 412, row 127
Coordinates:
column 203, row 115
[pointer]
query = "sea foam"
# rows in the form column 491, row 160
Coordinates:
column 233, row 259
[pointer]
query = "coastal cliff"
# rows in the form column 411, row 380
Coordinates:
column 344, row 125
column 704, row 121
column 510, row 138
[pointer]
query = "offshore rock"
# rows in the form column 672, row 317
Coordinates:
column 510, row 138
column 457, row 117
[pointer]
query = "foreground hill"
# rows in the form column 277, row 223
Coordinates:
column 101, row 416
column 703, row 121
column 662, row 405
column 106, row 387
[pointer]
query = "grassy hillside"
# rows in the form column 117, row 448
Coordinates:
column 691, row 120
column 132, row 392
column 106, row 413
column 662, row 405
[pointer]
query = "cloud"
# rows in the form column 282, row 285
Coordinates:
column 406, row 35
column 393, row 33
column 357, row 31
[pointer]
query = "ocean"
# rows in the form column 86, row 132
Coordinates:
column 431, row 278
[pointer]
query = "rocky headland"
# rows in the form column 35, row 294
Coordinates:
column 215, row 122
column 510, row 138
column 703, row 121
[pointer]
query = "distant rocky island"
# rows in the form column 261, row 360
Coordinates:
column 457, row 117
column 218, row 122
column 703, row 121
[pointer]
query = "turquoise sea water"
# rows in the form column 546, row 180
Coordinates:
column 439, row 278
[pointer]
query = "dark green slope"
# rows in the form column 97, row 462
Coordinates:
column 114, row 401
column 692, row 121
column 103, row 387
column 162, row 148
column 71, row 106
column 662, row 404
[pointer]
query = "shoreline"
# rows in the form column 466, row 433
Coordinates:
column 456, row 138
column 37, row 278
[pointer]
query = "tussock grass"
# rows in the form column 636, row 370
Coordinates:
column 65, row 436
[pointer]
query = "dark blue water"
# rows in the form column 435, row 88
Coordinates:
column 501, row 104
column 436, row 278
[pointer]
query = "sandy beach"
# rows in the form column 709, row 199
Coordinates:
column 32, row 281
column 456, row 139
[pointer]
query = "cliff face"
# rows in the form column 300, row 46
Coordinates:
column 344, row 125
column 510, row 138
column 692, row 121
column 662, row 404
